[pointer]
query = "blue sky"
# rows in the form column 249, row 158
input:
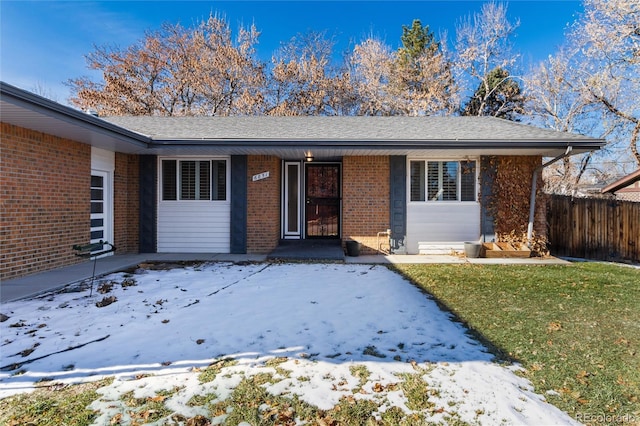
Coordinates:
column 43, row 43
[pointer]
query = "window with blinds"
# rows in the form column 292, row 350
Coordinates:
column 194, row 180
column 442, row 181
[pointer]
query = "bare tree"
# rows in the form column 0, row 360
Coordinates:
column 555, row 102
column 414, row 80
column 482, row 46
column 608, row 35
column 176, row 71
column 304, row 79
column 371, row 65
column 590, row 87
column 41, row 89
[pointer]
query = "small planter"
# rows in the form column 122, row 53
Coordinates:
column 505, row 250
column 472, row 250
column 353, row 248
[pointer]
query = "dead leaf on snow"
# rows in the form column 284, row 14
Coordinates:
column 105, row 288
column 392, row 387
column 106, row 301
column 116, row 420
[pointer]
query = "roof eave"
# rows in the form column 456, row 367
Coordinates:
column 488, row 144
column 42, row 106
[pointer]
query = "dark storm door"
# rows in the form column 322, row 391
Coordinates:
column 322, row 198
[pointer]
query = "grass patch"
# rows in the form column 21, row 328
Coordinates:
column 417, row 392
column 574, row 328
column 205, row 400
column 354, row 412
column 209, row 374
column 52, row 406
column 362, row 373
column 146, row 410
column 250, row 402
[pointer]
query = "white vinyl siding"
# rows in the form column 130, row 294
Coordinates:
column 103, row 164
column 437, row 221
column 193, row 224
column 441, row 224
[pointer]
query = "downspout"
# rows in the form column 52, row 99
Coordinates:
column 534, row 184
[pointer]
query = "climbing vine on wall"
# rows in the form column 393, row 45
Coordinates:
column 509, row 202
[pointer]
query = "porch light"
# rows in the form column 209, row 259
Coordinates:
column 308, row 157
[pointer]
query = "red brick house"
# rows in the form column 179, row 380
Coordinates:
column 243, row 184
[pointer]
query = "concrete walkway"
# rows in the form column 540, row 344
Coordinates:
column 32, row 285
column 43, row 282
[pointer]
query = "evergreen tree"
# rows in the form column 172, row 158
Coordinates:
column 498, row 95
column 422, row 81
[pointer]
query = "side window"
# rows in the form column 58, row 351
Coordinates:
column 417, row 181
column 169, row 180
column 219, row 171
column 468, row 181
column 186, row 180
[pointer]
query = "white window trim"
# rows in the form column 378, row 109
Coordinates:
column 459, row 181
column 286, row 234
column 193, row 158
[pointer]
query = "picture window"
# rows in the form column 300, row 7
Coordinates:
column 194, row 180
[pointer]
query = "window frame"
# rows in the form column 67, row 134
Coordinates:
column 425, row 183
column 178, row 179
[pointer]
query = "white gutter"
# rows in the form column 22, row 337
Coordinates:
column 534, row 184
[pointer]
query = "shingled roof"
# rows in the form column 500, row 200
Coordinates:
column 314, row 128
column 289, row 137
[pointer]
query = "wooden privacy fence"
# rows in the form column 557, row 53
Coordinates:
column 594, row 228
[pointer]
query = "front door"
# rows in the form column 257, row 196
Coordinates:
column 322, row 198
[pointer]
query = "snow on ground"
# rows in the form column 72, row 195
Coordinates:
column 321, row 320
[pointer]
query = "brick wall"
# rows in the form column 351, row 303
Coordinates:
column 365, row 199
column 44, row 200
column 263, row 204
column 126, row 203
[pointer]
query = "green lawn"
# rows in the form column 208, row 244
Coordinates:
column 575, row 329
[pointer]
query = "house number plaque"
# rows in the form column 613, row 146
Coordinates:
column 260, row 176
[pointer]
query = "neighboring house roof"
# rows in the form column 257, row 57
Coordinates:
column 627, row 187
column 290, row 137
